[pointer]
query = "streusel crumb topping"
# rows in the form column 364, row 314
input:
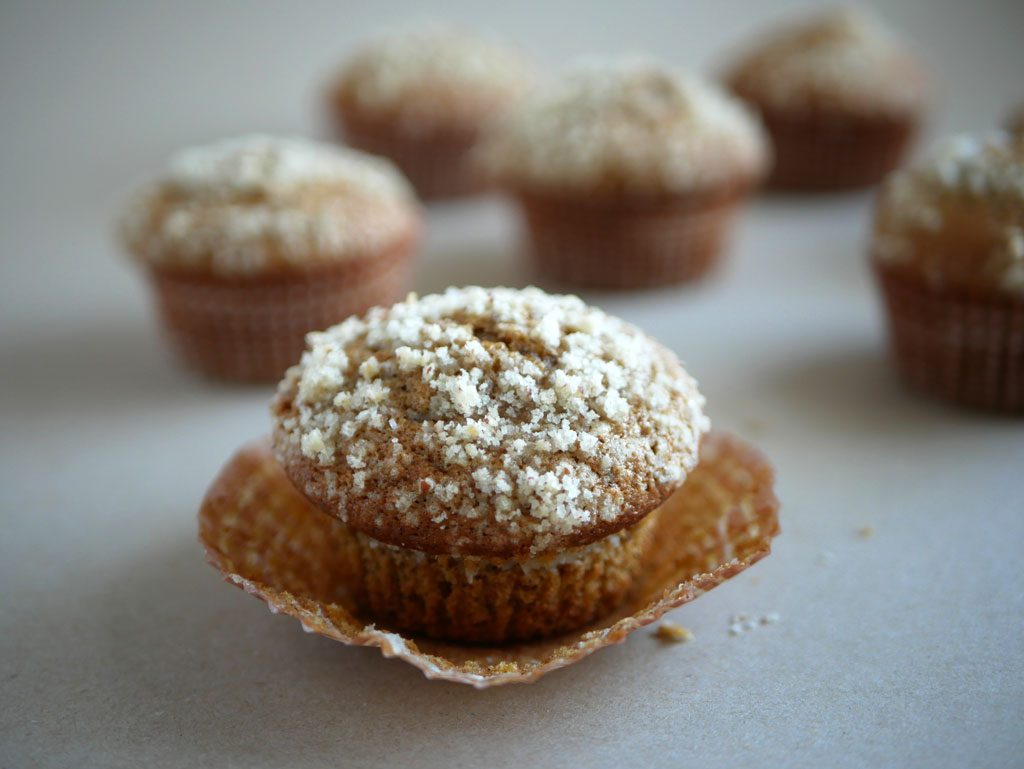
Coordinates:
column 434, row 77
column 629, row 123
column 254, row 203
column 510, row 410
column 964, row 203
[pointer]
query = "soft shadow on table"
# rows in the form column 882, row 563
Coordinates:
column 847, row 390
column 100, row 365
column 186, row 654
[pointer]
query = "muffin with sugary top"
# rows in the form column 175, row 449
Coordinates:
column 627, row 172
column 485, row 447
column 253, row 242
column 422, row 98
column 840, row 96
column 948, row 250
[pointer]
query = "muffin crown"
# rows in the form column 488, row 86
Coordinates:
column 957, row 217
column 843, row 60
column 488, row 422
column 626, row 125
column 433, row 79
column 260, row 203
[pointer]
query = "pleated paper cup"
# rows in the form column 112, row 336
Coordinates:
column 265, row 537
column 959, row 344
column 253, row 328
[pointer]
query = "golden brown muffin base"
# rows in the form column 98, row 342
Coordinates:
column 253, row 328
column 490, row 599
column 618, row 243
column 264, row 537
column 437, row 164
column 964, row 345
column 823, row 152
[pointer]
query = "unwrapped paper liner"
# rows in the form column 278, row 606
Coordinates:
column 263, row 536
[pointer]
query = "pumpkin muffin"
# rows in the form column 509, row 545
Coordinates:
column 421, row 98
column 250, row 243
column 948, row 252
column 840, row 97
column 628, row 173
column 497, row 457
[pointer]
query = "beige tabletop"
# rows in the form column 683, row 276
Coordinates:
column 120, row 647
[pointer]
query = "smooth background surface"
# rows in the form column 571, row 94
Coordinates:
column 119, row 647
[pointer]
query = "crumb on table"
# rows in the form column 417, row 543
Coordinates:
column 670, row 631
column 866, row 532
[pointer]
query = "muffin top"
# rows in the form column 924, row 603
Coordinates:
column 957, row 218
column 487, row 422
column 432, row 80
column 625, row 125
column 843, row 60
column 258, row 203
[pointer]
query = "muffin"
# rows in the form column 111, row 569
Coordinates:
column 948, row 252
column 1015, row 123
column 250, row 243
column 840, row 97
column 498, row 458
column 628, row 174
column 422, row 98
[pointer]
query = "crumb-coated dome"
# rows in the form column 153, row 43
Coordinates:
column 487, row 422
column 628, row 125
column 957, row 217
column 258, row 203
column 844, row 60
column 431, row 79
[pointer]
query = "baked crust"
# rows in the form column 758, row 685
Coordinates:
column 478, row 439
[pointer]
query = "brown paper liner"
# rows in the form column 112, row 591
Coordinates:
column 252, row 329
column 621, row 244
column 834, row 153
column 964, row 345
column 437, row 165
column 263, row 536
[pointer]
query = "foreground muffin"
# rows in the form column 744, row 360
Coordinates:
column 840, row 97
column 498, row 457
column 421, row 98
column 252, row 242
column 628, row 173
column 948, row 251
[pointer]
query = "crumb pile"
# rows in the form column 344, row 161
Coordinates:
column 434, row 77
column 974, row 184
column 845, row 59
column 628, row 124
column 488, row 416
column 255, row 203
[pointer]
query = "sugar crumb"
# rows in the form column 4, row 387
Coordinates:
column 670, row 631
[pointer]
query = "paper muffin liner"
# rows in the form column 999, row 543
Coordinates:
column 962, row 345
column 266, row 538
column 834, row 153
column 437, row 165
column 624, row 244
column 253, row 328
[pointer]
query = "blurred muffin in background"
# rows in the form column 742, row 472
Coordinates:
column 948, row 252
column 1015, row 123
column 421, row 99
column 628, row 173
column 252, row 242
column 840, row 97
